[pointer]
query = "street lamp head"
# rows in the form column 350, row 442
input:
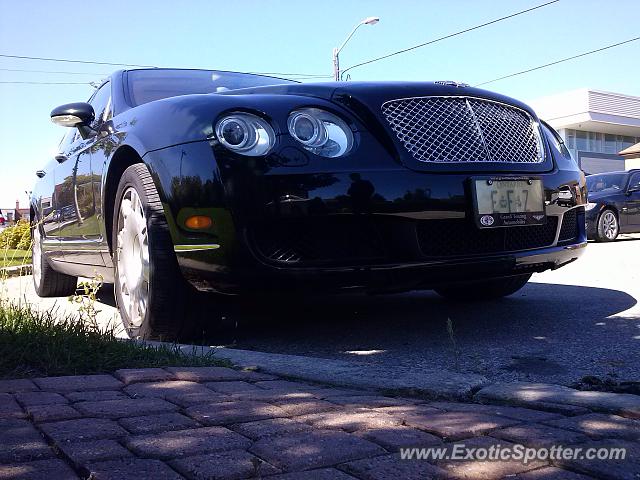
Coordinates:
column 336, row 51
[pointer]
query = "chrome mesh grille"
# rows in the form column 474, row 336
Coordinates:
column 461, row 129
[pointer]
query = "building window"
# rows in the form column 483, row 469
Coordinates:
column 627, row 142
column 610, row 143
column 595, row 142
column 582, row 140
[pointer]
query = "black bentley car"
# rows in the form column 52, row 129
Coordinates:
column 170, row 181
column 614, row 204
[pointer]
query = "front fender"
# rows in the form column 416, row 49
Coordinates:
column 189, row 183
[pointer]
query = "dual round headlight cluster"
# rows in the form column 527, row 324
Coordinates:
column 317, row 130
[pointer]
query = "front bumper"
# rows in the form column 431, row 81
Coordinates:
column 591, row 219
column 321, row 240
column 380, row 278
column 379, row 228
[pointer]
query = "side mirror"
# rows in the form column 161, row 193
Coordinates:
column 73, row 115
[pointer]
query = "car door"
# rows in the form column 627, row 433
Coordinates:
column 78, row 201
column 45, row 201
column 632, row 203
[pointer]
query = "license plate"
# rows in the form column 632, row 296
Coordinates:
column 508, row 202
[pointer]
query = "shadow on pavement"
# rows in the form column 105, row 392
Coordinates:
column 545, row 330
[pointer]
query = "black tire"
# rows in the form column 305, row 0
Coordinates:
column 165, row 316
column 48, row 282
column 608, row 228
column 489, row 289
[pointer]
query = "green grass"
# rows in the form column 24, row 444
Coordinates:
column 74, row 229
column 10, row 258
column 34, row 344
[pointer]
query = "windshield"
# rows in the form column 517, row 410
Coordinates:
column 154, row 84
column 609, row 181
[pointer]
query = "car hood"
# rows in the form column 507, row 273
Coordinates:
column 377, row 92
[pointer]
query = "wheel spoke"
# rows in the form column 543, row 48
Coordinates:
column 145, row 265
column 125, row 208
column 133, row 317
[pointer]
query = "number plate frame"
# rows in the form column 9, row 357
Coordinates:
column 498, row 219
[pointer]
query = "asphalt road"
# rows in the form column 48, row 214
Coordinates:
column 580, row 320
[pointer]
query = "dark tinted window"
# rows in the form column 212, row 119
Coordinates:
column 101, row 103
column 635, row 181
column 149, row 85
column 606, row 181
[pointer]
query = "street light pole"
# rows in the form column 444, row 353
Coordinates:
column 336, row 51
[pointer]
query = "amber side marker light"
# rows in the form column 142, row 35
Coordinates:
column 198, row 222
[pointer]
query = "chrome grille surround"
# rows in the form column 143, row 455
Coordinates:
column 460, row 129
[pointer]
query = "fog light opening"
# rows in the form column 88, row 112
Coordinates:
column 198, row 222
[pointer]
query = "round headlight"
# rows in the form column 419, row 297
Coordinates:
column 234, row 132
column 307, row 129
column 245, row 133
column 320, row 132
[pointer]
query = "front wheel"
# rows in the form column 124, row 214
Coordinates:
column 484, row 289
column 149, row 288
column 608, row 227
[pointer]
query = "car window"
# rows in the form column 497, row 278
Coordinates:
column 634, row 182
column 154, row 84
column 101, row 103
column 608, row 181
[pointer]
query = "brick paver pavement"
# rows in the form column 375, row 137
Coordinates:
column 220, row 423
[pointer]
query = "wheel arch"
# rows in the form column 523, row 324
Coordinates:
column 613, row 208
column 123, row 158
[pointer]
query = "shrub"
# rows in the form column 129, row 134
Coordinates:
column 17, row 236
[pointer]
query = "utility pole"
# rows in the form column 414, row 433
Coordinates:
column 336, row 65
column 336, row 51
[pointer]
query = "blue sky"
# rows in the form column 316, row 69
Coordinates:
column 296, row 36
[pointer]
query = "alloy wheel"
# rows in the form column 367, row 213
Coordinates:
column 609, row 225
column 133, row 257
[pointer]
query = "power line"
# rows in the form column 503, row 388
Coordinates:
column 49, row 71
column 87, row 62
column 430, row 42
column 65, row 60
column 559, row 61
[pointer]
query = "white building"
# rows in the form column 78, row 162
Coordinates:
column 595, row 125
